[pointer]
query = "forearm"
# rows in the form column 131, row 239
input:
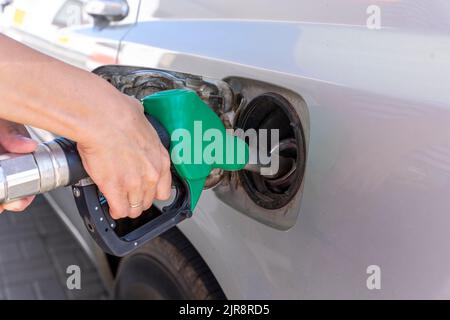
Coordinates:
column 29, row 81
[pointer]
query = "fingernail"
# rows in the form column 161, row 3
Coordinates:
column 25, row 139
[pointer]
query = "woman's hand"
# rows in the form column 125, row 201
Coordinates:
column 120, row 150
column 126, row 159
column 15, row 138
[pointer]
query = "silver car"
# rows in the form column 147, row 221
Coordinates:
column 359, row 92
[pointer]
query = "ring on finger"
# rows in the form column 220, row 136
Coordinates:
column 135, row 205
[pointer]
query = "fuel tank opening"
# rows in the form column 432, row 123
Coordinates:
column 271, row 111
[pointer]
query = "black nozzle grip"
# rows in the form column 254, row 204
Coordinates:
column 76, row 169
column 160, row 130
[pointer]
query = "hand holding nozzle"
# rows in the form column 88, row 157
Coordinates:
column 51, row 165
column 120, row 150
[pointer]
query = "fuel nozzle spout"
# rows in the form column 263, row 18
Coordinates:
column 276, row 165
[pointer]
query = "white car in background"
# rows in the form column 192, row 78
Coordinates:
column 358, row 90
column 51, row 25
column 38, row 22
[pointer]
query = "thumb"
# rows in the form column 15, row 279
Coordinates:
column 17, row 143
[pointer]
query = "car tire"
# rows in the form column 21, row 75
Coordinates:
column 168, row 267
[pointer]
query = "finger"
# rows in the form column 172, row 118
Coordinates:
column 163, row 188
column 13, row 128
column 149, row 195
column 135, row 200
column 15, row 138
column 117, row 202
column 150, row 182
column 18, row 205
column 18, row 143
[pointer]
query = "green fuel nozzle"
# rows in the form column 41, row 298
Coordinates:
column 199, row 140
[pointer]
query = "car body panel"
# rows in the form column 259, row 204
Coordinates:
column 375, row 181
column 377, row 175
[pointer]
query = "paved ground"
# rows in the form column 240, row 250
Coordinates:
column 35, row 251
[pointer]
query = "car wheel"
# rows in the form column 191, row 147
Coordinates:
column 168, row 267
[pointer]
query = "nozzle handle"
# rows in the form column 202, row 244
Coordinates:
column 160, row 130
